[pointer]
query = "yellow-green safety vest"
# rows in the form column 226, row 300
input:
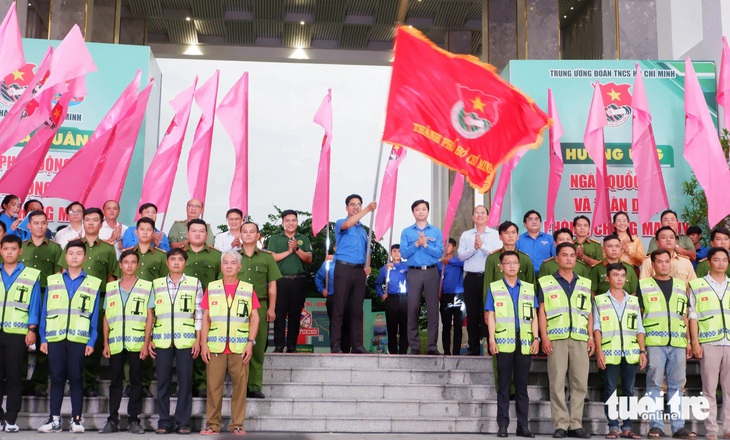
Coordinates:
column 504, row 316
column 15, row 302
column 618, row 336
column 664, row 325
column 175, row 322
column 566, row 318
column 127, row 321
column 713, row 315
column 229, row 323
column 70, row 318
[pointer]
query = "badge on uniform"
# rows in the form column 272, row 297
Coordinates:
column 605, row 318
column 499, row 304
column 159, row 301
column 554, row 296
column 111, row 304
column 214, row 303
column 54, row 296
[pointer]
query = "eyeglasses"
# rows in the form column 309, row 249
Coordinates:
column 195, row 206
column 511, row 263
column 354, row 205
column 75, row 212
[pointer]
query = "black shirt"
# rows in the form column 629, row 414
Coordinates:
column 665, row 286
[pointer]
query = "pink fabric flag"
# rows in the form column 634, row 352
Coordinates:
column 321, row 201
column 723, row 88
column 386, row 204
column 75, row 178
column 199, row 156
column 233, row 115
column 702, row 148
column 556, row 160
column 505, row 175
column 11, row 46
column 160, row 176
column 457, row 189
column 594, row 145
column 652, row 193
column 71, row 59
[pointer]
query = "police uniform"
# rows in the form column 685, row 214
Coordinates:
column 703, row 268
column 179, row 232
column 152, row 264
column 591, row 248
column 600, row 284
column 550, row 266
column 681, row 267
column 492, row 271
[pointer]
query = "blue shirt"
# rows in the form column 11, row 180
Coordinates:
column 319, row 277
column 701, row 253
column 129, row 239
column 35, row 293
column 352, row 243
column 453, row 276
column 71, row 286
column 396, row 281
column 539, row 249
column 620, row 307
column 514, row 293
column 421, row 256
column 24, row 235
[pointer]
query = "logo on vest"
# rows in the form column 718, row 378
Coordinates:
column 159, row 301
column 84, row 299
column 605, row 318
column 654, row 299
column 582, row 301
column 500, row 304
column 554, row 296
column 214, row 303
column 704, row 298
column 55, row 296
column 650, row 408
column 112, row 304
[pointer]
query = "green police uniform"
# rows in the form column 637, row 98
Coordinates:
column 703, row 268
column 259, row 269
column 550, row 266
column 179, row 232
column 592, row 249
column 600, row 285
column 152, row 264
column 493, row 273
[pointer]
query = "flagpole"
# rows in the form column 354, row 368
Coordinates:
column 372, row 215
column 390, row 258
column 326, row 261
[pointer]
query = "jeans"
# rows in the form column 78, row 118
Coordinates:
column 627, row 372
column 673, row 362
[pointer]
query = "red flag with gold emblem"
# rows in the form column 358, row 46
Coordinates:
column 457, row 110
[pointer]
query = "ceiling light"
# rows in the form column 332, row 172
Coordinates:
column 187, row 18
column 565, row 16
column 193, row 50
column 299, row 54
column 302, row 23
column 571, row 8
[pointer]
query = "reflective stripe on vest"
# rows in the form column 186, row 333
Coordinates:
column 70, row 319
column 713, row 315
column 664, row 325
column 566, row 318
column 15, row 303
column 504, row 316
column 127, row 321
column 229, row 323
column 175, row 322
column 618, row 337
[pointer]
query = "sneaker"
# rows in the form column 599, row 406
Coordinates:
column 135, row 428
column 76, row 425
column 109, row 427
column 12, row 428
column 53, row 424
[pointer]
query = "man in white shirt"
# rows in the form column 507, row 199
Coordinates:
column 231, row 239
column 75, row 228
column 112, row 230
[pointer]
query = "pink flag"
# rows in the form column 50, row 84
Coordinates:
column 71, row 59
column 321, row 202
column 199, row 156
column 556, row 159
column 702, row 148
column 652, row 194
column 386, row 212
column 76, row 177
column 505, row 175
column 233, row 114
column 456, row 190
column 160, row 175
column 723, row 88
column 11, row 46
column 594, row 145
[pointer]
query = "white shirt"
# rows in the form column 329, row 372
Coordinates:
column 67, row 234
column 223, row 242
column 719, row 289
column 474, row 260
column 106, row 232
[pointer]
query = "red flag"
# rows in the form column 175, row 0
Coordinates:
column 233, row 114
column 199, row 156
column 321, row 202
column 457, row 111
column 160, row 175
column 723, row 88
column 652, row 193
column 11, row 46
column 386, row 204
column 594, row 145
column 702, row 148
column 556, row 159
column 74, row 180
column 457, row 189
column 495, row 212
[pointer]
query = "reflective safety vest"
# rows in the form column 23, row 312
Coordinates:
column 566, row 318
column 127, row 321
column 229, row 321
column 664, row 323
column 70, row 318
column 618, row 336
column 175, row 321
column 15, row 303
column 504, row 316
column 713, row 315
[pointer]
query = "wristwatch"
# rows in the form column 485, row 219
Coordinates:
column 642, row 352
column 537, row 338
column 252, row 341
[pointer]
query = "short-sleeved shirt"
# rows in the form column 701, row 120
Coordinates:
column 720, row 289
column 44, row 257
column 152, row 264
column 259, row 269
column 600, row 285
column 351, row 243
column 125, row 296
column 550, row 266
column 620, row 308
column 514, row 292
column 230, row 293
column 684, row 242
column 101, row 261
column 666, row 286
column 539, row 248
column 681, row 268
column 179, row 232
column 291, row 264
column 592, row 249
column 204, row 265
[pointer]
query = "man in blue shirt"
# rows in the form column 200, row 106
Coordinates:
column 20, row 299
column 535, row 243
column 324, row 280
column 695, row 234
column 453, row 308
column 129, row 239
column 395, row 297
column 351, row 240
column 422, row 247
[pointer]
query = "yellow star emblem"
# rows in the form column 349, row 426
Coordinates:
column 57, row 113
column 18, row 74
column 615, row 96
column 477, row 104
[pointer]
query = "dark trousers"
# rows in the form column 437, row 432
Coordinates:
column 12, row 352
column 508, row 364
column 290, row 296
column 41, row 372
column 627, row 372
column 451, row 312
column 67, row 363
column 396, row 319
column 93, row 361
column 350, row 294
column 474, row 302
column 184, row 369
column 345, row 345
column 116, row 373
column 426, row 282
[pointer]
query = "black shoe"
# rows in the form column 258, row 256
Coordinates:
column 279, row 350
column 336, row 349
column 434, row 352
column 578, row 433
column 40, row 393
column 291, row 349
column 359, row 350
column 173, row 394
column 414, row 351
column 201, row 393
column 559, row 433
column 90, row 391
column 146, row 393
column 109, row 427
column 126, row 391
column 502, row 431
column 524, row 432
column 135, row 428
column 255, row 394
